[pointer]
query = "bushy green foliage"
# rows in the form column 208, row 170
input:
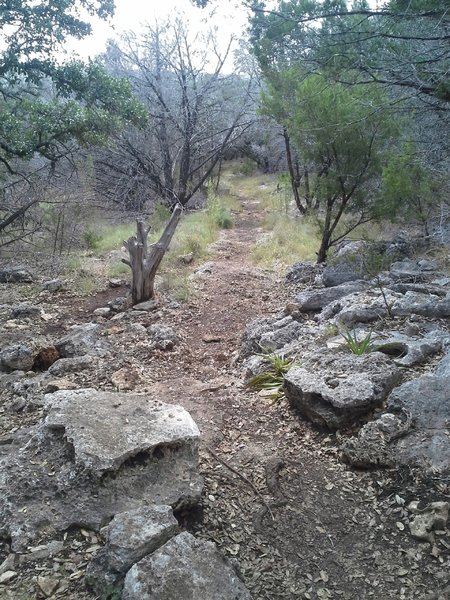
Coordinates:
column 336, row 129
column 111, row 237
column 409, row 190
column 92, row 238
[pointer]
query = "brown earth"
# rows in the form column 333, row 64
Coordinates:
column 278, row 500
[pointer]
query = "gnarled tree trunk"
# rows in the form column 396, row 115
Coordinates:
column 145, row 260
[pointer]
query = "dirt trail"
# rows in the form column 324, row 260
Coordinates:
column 315, row 530
column 300, row 524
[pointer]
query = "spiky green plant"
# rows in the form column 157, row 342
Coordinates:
column 358, row 347
column 273, row 378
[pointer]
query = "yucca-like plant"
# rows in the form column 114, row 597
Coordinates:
column 273, row 378
column 358, row 347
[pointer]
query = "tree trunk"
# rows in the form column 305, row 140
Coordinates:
column 145, row 260
column 326, row 234
column 294, row 181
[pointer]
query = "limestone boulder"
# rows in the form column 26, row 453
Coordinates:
column 162, row 337
column 413, row 271
column 186, row 569
column 413, row 431
column 96, row 454
column 63, row 366
column 408, row 351
column 18, row 357
column 336, row 389
column 427, row 400
column 82, row 340
column 24, row 310
column 316, row 300
column 105, row 429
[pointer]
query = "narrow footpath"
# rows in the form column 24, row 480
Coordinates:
column 299, row 523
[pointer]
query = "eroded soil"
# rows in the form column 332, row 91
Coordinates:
column 297, row 521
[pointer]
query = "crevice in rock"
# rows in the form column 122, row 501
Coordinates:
column 45, row 358
column 189, row 518
column 393, row 349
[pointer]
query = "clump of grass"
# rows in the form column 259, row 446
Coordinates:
column 92, row 238
column 216, row 210
column 356, row 346
column 273, row 378
column 117, row 269
column 111, row 237
column 86, row 284
column 290, row 240
column 193, row 235
column 219, row 214
column 73, row 264
column 176, row 285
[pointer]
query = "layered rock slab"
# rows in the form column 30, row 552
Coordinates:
column 418, row 432
column 95, row 455
column 336, row 390
column 186, row 569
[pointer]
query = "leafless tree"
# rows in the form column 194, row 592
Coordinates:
column 197, row 113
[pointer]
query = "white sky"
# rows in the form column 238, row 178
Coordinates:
column 130, row 15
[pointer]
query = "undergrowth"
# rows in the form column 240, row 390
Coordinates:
column 288, row 240
column 271, row 379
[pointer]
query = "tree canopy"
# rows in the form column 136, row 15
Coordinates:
column 44, row 102
column 48, row 107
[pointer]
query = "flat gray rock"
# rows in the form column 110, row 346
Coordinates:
column 23, row 310
column 105, row 429
column 284, row 331
column 184, row 569
column 97, row 454
column 413, row 271
column 83, row 339
column 443, row 367
column 343, row 272
column 426, row 305
column 337, row 389
column 15, row 275
column 413, row 432
column 408, row 351
column 317, row 299
column 131, row 536
column 72, row 365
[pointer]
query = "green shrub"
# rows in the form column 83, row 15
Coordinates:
column 113, row 236
column 217, row 212
column 92, row 238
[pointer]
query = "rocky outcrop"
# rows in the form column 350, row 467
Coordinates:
column 413, row 271
column 408, row 351
column 413, row 431
column 184, row 568
column 317, row 299
column 97, row 454
column 337, row 389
